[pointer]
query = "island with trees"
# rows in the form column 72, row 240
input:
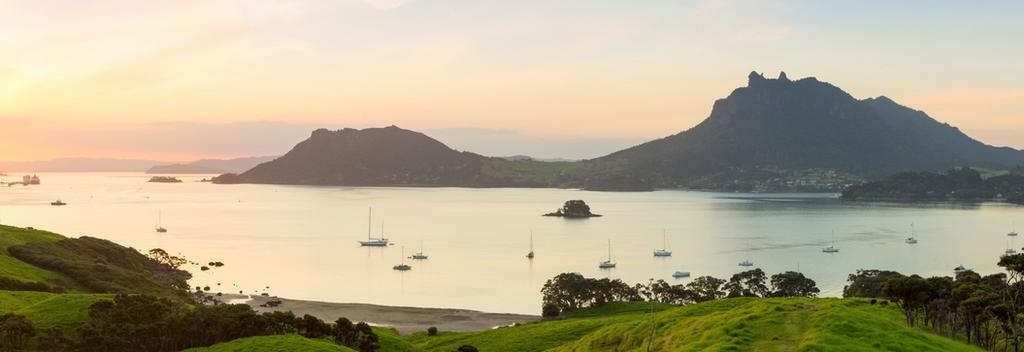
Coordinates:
column 164, row 179
column 573, row 209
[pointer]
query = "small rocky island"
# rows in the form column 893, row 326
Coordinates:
column 573, row 209
column 164, row 179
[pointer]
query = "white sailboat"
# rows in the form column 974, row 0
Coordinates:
column 608, row 264
column 663, row 252
column 913, row 236
column 1009, row 248
column 747, row 262
column 419, row 255
column 530, row 255
column 374, row 242
column 681, row 274
column 961, row 269
column 402, row 266
column 1013, row 230
column 831, row 248
column 159, row 222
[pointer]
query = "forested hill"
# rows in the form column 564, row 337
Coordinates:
column 781, row 124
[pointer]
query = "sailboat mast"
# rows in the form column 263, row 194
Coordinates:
column 369, row 225
column 609, row 250
column 531, row 241
column 664, row 240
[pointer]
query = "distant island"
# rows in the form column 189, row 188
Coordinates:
column 573, row 209
column 774, row 135
column 210, row 166
column 958, row 184
column 164, row 179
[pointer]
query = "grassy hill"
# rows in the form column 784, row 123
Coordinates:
column 743, row 324
column 13, row 268
column 274, row 343
column 46, row 310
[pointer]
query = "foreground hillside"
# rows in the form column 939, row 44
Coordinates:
column 740, row 324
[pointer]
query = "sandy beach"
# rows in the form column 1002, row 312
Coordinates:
column 403, row 319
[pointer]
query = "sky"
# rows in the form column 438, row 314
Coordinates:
column 180, row 80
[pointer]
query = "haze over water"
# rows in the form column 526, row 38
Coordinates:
column 301, row 240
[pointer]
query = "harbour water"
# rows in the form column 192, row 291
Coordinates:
column 300, row 241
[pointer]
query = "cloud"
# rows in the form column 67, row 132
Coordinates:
column 386, row 4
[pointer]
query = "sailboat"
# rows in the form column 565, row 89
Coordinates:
column 961, row 269
column 374, row 242
column 159, row 222
column 913, row 236
column 58, row 203
column 1009, row 249
column 530, row 255
column 747, row 262
column 832, row 248
column 608, row 264
column 1013, row 230
column 419, row 255
column 402, row 266
column 663, row 252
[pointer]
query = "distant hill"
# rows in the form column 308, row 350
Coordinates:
column 772, row 135
column 79, row 165
column 211, row 166
column 779, row 126
column 391, row 156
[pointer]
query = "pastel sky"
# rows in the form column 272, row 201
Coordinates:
column 178, row 80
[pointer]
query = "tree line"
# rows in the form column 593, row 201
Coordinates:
column 132, row 323
column 567, row 292
column 987, row 311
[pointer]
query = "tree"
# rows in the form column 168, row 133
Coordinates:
column 750, row 283
column 15, row 330
column 53, row 339
column 567, row 291
column 161, row 256
column 467, row 348
column 793, row 284
column 312, row 327
column 549, row 310
column 911, row 293
column 359, row 336
column 706, row 288
column 432, row 331
column 867, row 283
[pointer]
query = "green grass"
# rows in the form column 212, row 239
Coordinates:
column 46, row 310
column 390, row 341
column 13, row 268
column 743, row 324
column 274, row 344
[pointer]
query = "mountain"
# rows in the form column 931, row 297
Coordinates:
column 772, row 135
column 79, row 165
column 211, row 166
column 778, row 128
column 388, row 156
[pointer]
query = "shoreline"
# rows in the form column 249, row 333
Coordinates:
column 405, row 320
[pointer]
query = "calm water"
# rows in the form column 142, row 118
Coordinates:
column 301, row 241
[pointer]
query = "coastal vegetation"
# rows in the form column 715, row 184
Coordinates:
column 957, row 184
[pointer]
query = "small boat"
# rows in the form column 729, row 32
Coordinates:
column 608, row 264
column 913, row 236
column 681, row 274
column 663, row 252
column 1009, row 248
column 159, row 225
column 831, row 248
column 58, row 203
column 530, row 255
column 402, row 266
column 747, row 262
column 1013, row 230
column 374, row 242
column 419, row 255
column 960, row 269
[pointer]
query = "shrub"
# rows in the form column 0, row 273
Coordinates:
column 432, row 331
